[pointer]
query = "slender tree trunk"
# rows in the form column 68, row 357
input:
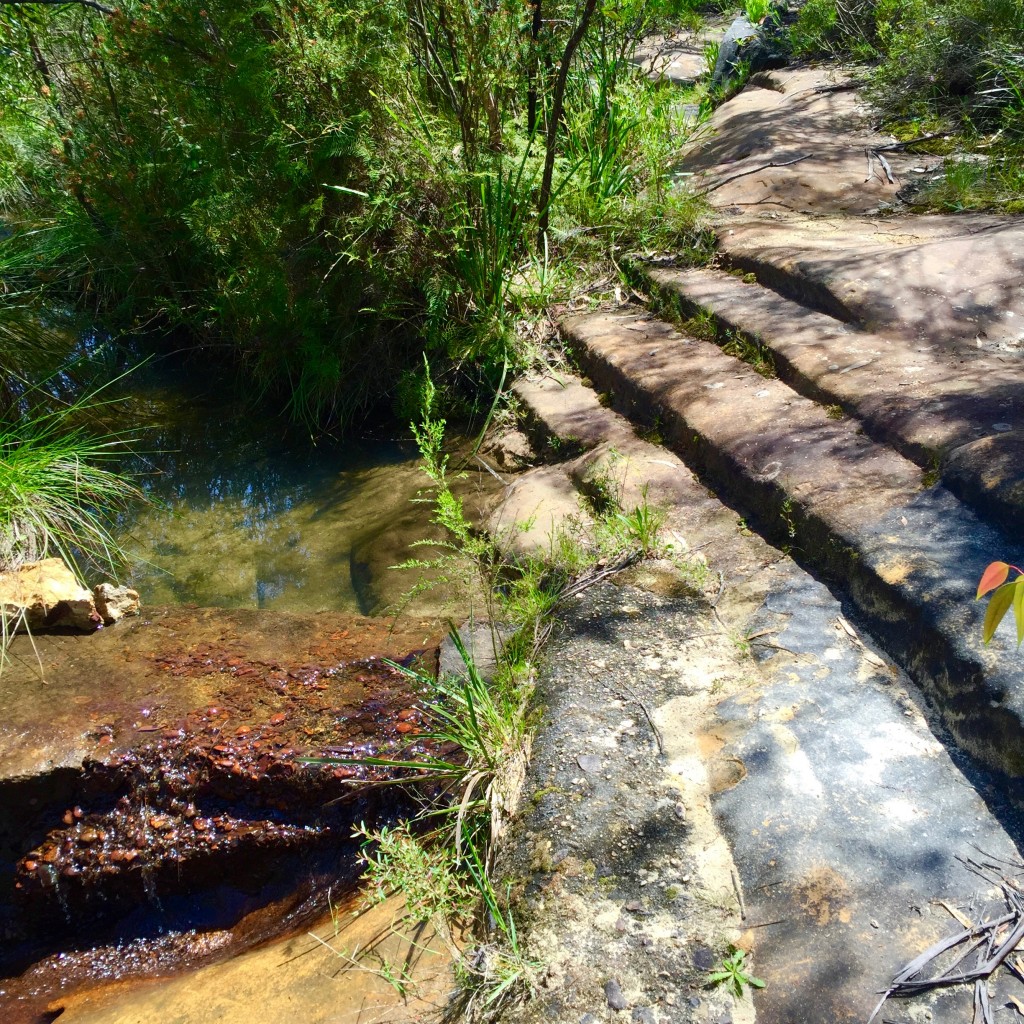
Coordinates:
column 557, row 102
column 532, row 67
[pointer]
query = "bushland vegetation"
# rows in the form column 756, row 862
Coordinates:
column 321, row 191
column 951, row 70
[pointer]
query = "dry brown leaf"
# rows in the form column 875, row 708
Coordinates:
column 846, row 627
column 954, row 913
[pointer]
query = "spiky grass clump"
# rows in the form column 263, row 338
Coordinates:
column 59, row 491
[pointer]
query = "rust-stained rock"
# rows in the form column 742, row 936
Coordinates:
column 150, row 759
column 45, row 595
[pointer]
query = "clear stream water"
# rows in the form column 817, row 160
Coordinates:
column 246, row 516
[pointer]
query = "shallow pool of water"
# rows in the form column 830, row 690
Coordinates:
column 249, row 517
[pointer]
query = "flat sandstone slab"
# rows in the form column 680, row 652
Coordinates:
column 128, row 685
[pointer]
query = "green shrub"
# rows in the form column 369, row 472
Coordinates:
column 316, row 190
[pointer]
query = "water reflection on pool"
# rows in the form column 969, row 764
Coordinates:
column 250, row 518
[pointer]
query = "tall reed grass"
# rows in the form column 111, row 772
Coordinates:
column 60, row 489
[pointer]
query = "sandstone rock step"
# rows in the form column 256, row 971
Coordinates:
column 944, row 405
column 909, row 555
column 562, row 411
column 931, row 277
column 774, row 760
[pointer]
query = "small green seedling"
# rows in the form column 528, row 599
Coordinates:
column 1004, row 595
column 732, row 973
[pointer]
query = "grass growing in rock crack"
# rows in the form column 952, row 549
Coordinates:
column 442, row 861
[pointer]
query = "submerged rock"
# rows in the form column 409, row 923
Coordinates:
column 483, row 642
column 192, row 749
column 45, row 595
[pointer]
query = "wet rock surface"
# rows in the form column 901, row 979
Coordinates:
column 305, row 977
column 155, row 781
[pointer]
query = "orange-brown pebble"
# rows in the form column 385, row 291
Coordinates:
column 243, row 730
column 68, row 818
column 405, row 727
column 29, row 865
column 50, row 854
column 161, row 823
column 408, row 715
column 278, row 719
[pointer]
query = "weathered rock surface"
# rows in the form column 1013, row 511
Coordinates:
column 925, row 397
column 815, row 764
column 810, row 123
column 678, row 57
column 538, row 507
column 113, row 603
column 154, row 759
column 46, row 595
column 857, row 511
column 758, row 46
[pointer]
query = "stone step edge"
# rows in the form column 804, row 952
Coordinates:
column 964, row 481
column 967, row 691
column 699, row 526
column 788, row 283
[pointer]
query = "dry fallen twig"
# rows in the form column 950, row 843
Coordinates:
column 754, row 170
column 990, row 943
column 873, row 155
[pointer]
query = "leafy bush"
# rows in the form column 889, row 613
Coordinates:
column 320, row 190
column 1004, row 593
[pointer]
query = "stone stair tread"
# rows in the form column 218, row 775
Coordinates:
column 910, row 555
column 930, row 277
column 570, row 413
column 924, row 399
column 536, row 507
column 642, row 471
